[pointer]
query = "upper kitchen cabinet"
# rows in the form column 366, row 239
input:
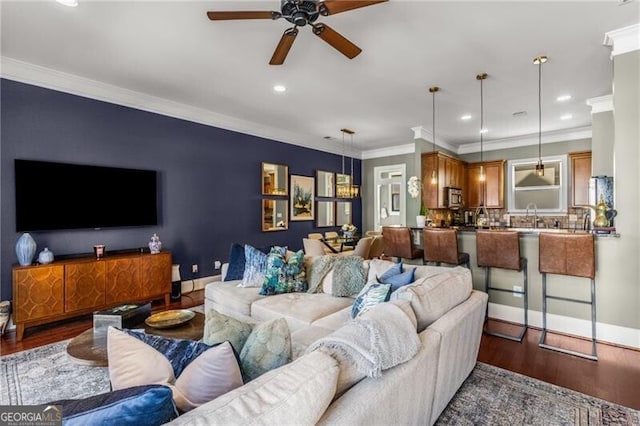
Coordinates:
column 492, row 192
column 580, row 175
column 449, row 172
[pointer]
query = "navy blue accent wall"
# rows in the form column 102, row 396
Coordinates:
column 209, row 178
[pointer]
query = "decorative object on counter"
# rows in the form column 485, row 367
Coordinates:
column 155, row 244
column 414, row 188
column 45, row 256
column 539, row 60
column 348, row 229
column 25, row 249
column 99, row 250
column 604, row 214
column 5, row 311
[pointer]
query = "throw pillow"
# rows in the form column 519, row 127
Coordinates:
column 255, row 265
column 284, row 275
column 297, row 395
column 213, row 372
column 149, row 404
column 393, row 271
column 268, row 347
column 349, row 276
column 235, row 271
column 219, row 327
column 399, row 280
column 371, row 295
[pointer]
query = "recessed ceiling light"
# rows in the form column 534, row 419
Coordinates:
column 279, row 88
column 566, row 117
column 563, row 98
column 70, row 3
column 466, row 117
column 484, row 130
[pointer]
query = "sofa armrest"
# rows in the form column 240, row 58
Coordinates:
column 223, row 271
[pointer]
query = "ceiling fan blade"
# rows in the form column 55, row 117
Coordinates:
column 243, row 14
column 329, row 7
column 336, row 40
column 282, row 50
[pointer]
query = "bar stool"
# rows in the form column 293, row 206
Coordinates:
column 501, row 249
column 398, row 243
column 441, row 246
column 572, row 255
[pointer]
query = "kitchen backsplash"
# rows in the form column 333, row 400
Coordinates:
column 575, row 219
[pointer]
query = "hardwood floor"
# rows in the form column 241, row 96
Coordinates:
column 614, row 377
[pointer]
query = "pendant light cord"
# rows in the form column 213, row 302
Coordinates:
column 540, row 112
column 433, row 123
column 481, row 119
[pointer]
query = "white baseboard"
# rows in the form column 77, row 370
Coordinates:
column 604, row 332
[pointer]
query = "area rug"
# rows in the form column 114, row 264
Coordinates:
column 489, row 396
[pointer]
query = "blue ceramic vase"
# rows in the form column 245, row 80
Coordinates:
column 25, row 249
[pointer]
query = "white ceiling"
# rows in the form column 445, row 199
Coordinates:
column 177, row 61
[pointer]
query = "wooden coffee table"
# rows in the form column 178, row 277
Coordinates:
column 91, row 349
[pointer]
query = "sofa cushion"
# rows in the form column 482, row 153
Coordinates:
column 213, row 372
column 433, row 296
column 296, row 394
column 301, row 339
column 219, row 328
column 268, row 347
column 299, row 309
column 335, row 320
column 148, row 404
column 284, row 275
column 371, row 295
column 233, row 298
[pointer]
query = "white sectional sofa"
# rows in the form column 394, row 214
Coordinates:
column 448, row 315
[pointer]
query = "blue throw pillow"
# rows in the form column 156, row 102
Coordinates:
column 284, row 275
column 236, row 263
column 371, row 295
column 394, row 270
column 139, row 405
column 399, row 280
column 255, row 265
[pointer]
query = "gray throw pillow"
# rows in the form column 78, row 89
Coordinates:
column 268, row 347
column 219, row 327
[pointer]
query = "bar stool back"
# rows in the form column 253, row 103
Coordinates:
column 398, row 243
column 441, row 246
column 572, row 255
column 501, row 249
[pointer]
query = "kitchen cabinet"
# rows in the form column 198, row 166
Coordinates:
column 580, row 175
column 491, row 193
column 81, row 285
column 450, row 172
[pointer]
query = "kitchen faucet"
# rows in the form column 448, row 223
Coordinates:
column 535, row 213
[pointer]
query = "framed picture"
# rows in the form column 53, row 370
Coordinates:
column 302, row 199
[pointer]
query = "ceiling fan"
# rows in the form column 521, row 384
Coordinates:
column 301, row 13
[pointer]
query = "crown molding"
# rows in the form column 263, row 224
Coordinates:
column 419, row 132
column 600, row 104
column 36, row 75
column 527, row 140
column 623, row 40
column 389, row 152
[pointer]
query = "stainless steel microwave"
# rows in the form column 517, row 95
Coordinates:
column 453, row 197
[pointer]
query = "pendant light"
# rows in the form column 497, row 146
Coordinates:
column 354, row 190
column 481, row 77
column 347, row 189
column 539, row 60
column 433, row 90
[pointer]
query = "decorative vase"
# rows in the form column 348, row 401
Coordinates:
column 45, row 256
column 155, row 244
column 348, row 234
column 420, row 221
column 25, row 249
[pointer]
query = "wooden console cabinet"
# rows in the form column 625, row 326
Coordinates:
column 78, row 286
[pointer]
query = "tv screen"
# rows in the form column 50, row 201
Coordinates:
column 52, row 196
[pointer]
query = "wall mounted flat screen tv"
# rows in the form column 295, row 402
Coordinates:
column 54, row 196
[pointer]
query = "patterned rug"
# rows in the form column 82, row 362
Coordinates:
column 489, row 396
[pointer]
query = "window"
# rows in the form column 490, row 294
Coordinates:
column 547, row 194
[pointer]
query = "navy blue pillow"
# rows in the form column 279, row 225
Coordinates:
column 399, row 280
column 394, row 270
column 237, row 259
column 139, row 405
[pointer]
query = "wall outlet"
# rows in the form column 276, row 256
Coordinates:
column 517, row 288
column 217, row 264
column 194, row 268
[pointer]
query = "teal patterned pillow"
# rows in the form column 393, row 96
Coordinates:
column 371, row 295
column 284, row 276
column 268, row 347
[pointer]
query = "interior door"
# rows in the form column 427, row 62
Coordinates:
column 390, row 195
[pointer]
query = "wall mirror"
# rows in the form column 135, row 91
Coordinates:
column 326, row 214
column 274, row 215
column 274, row 179
column 543, row 194
column 325, row 183
column 343, row 212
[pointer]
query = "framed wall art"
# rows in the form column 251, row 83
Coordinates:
column 302, row 199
